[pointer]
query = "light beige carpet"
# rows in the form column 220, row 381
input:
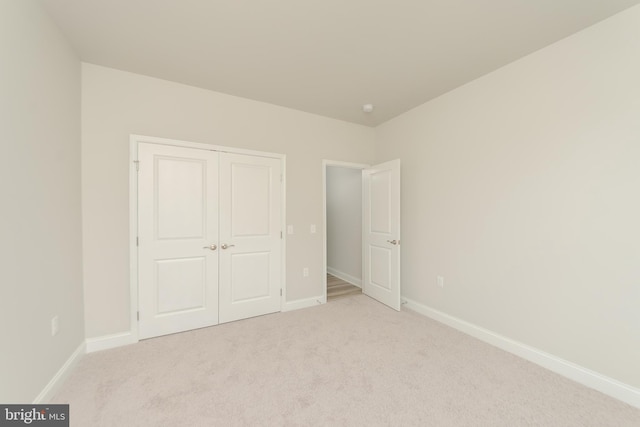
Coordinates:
column 353, row 362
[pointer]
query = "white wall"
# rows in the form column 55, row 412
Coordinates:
column 116, row 104
column 522, row 189
column 344, row 223
column 41, row 255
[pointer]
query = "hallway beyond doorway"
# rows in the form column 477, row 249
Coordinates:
column 338, row 288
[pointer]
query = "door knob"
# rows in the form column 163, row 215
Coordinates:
column 225, row 246
column 212, row 247
column 394, row 242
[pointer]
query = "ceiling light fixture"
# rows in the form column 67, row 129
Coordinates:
column 367, row 108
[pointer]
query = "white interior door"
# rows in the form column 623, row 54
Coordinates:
column 250, row 236
column 381, row 233
column 178, row 234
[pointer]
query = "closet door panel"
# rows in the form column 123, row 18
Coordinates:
column 177, row 227
column 250, row 236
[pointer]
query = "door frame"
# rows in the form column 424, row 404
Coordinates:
column 325, row 165
column 134, row 140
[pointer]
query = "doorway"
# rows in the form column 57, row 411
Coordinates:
column 342, row 228
column 378, row 247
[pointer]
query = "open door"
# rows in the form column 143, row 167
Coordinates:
column 381, row 233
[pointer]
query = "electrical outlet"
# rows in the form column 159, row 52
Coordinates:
column 55, row 326
column 289, row 229
column 305, row 272
column 441, row 281
column 313, row 229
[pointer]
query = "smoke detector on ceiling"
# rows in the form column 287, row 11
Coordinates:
column 367, row 108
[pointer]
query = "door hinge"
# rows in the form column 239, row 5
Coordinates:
column 137, row 162
column 281, row 178
column 138, row 316
column 280, row 291
column 137, row 241
column 281, row 234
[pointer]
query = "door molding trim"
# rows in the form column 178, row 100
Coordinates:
column 134, row 140
column 325, row 164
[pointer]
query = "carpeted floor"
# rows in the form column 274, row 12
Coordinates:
column 353, row 362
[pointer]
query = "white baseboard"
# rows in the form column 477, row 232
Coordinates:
column 302, row 303
column 50, row 389
column 579, row 374
column 110, row 341
column 344, row 276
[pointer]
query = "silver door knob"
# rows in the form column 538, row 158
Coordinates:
column 394, row 241
column 225, row 246
column 212, row 247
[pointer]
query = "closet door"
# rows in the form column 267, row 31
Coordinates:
column 250, row 236
column 178, row 238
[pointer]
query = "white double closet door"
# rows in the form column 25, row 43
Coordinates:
column 210, row 243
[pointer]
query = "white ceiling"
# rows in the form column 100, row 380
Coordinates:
column 322, row 56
